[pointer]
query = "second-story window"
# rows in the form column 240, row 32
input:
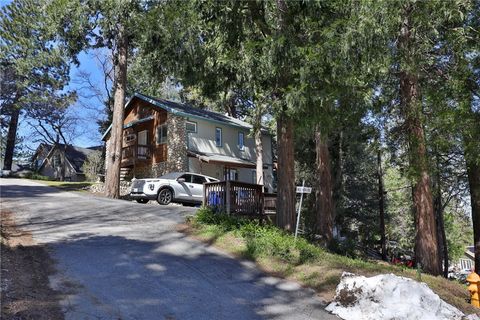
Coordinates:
column 162, row 133
column 191, row 126
column 218, row 137
column 130, row 137
column 241, row 137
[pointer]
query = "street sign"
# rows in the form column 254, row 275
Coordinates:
column 301, row 190
column 304, row 190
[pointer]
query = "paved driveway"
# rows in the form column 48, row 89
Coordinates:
column 122, row 260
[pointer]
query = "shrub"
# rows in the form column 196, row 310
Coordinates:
column 261, row 240
column 93, row 165
column 37, row 176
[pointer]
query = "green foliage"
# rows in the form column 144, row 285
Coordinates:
column 93, row 165
column 36, row 176
column 36, row 67
column 262, row 240
column 400, row 227
column 459, row 232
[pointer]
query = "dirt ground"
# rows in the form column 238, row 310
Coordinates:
column 25, row 267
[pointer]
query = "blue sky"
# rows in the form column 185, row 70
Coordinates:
column 86, row 110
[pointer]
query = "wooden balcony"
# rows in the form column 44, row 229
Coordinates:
column 132, row 154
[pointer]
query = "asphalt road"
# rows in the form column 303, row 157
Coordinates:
column 122, row 260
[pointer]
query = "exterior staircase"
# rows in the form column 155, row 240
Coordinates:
column 124, row 173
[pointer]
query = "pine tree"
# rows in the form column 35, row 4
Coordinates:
column 34, row 69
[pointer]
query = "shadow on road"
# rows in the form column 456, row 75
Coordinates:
column 19, row 191
column 172, row 280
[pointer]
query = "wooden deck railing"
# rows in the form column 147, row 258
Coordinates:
column 132, row 152
column 233, row 197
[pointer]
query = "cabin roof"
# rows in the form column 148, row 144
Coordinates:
column 75, row 155
column 186, row 111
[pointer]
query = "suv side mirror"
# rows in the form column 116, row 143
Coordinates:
column 181, row 180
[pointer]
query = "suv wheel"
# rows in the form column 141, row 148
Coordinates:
column 165, row 196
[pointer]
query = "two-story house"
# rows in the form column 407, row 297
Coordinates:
column 162, row 136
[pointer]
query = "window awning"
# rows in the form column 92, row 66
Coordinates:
column 221, row 159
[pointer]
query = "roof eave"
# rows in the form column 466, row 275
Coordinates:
column 175, row 112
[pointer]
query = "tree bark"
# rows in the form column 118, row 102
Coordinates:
column 426, row 248
column 471, row 137
column 112, row 179
column 473, row 171
column 438, row 207
column 63, row 169
column 259, row 146
column 11, row 138
column 285, row 217
column 337, row 174
column 324, row 190
column 381, row 206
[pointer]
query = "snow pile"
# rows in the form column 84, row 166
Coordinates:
column 388, row 296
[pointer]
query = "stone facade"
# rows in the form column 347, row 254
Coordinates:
column 177, row 159
column 99, row 187
column 154, row 170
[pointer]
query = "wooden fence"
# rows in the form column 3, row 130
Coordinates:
column 239, row 198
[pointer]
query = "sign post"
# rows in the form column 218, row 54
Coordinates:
column 301, row 190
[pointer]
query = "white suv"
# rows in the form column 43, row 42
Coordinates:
column 183, row 187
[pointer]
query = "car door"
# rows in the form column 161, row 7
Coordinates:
column 183, row 190
column 197, row 191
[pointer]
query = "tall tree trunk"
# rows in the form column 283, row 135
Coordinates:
column 63, row 169
column 473, row 171
column 426, row 249
column 471, row 138
column 381, row 206
column 438, row 207
column 112, row 180
column 11, row 137
column 337, row 174
column 324, row 190
column 259, row 145
column 285, row 217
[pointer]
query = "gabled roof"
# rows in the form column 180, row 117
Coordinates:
column 187, row 111
column 75, row 155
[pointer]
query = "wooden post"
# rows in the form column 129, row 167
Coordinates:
column 227, row 196
column 204, row 203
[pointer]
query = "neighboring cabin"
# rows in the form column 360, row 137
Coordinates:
column 162, row 136
column 467, row 261
column 49, row 160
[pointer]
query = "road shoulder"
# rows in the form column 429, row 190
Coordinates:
column 25, row 271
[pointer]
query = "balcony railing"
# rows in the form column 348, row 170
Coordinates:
column 135, row 152
column 239, row 198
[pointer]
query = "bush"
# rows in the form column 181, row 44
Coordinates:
column 261, row 240
column 93, row 165
column 37, row 176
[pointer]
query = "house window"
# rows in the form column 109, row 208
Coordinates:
column 162, row 134
column 130, row 137
column 241, row 137
column 56, row 160
column 218, row 137
column 254, row 176
column 191, row 126
column 231, row 174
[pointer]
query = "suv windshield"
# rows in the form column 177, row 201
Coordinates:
column 171, row 175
